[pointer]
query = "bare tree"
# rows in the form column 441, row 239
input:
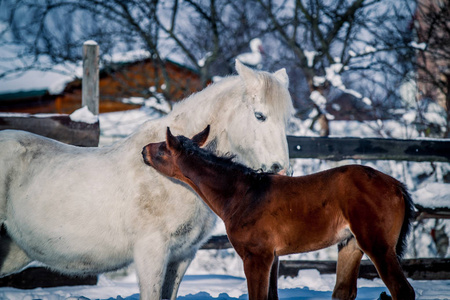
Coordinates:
column 362, row 48
column 432, row 49
column 344, row 45
column 205, row 35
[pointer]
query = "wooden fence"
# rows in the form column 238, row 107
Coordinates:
column 62, row 128
column 340, row 148
column 336, row 149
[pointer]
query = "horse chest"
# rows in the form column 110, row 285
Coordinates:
column 193, row 230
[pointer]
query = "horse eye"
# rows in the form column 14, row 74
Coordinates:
column 161, row 150
column 260, row 116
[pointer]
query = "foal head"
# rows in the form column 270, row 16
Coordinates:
column 164, row 156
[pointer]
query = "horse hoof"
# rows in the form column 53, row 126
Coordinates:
column 384, row 296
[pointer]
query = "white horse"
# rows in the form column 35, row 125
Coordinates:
column 91, row 210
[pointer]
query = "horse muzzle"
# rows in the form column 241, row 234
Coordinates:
column 146, row 155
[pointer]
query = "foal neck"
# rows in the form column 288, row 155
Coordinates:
column 219, row 181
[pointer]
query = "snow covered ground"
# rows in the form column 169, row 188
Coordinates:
column 308, row 285
column 218, row 274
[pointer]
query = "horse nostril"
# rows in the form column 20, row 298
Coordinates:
column 144, row 155
column 276, row 168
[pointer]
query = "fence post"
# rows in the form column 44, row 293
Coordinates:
column 90, row 88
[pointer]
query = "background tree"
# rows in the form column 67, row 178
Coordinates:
column 342, row 46
column 364, row 50
column 432, row 63
column 205, row 35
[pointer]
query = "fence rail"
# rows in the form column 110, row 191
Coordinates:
column 340, row 148
column 58, row 127
column 76, row 133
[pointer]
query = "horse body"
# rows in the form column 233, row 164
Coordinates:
column 326, row 203
column 268, row 215
column 90, row 210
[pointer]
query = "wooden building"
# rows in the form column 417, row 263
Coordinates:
column 118, row 81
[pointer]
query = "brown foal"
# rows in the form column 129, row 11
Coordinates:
column 268, row 215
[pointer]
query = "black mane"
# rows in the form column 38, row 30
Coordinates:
column 226, row 161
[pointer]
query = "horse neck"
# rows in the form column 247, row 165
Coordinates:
column 193, row 114
column 215, row 184
column 204, row 107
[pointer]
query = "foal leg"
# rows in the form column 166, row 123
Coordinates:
column 349, row 259
column 257, row 269
column 390, row 271
column 273, row 281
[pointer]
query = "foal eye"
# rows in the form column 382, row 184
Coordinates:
column 260, row 116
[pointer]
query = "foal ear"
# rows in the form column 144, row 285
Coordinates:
column 172, row 142
column 282, row 76
column 200, row 138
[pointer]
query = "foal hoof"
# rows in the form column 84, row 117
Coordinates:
column 384, row 296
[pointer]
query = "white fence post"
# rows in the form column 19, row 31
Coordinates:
column 90, row 82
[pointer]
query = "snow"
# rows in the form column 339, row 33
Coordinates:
column 129, row 56
column 317, row 98
column 84, row 115
column 90, row 43
column 310, row 57
column 34, row 80
column 367, row 101
column 253, row 58
column 369, row 49
column 201, row 62
column 318, row 80
column 433, row 195
column 332, row 75
column 321, row 102
column 58, row 86
column 309, row 284
column 421, row 46
column 218, row 274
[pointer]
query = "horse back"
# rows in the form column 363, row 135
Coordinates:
column 18, row 150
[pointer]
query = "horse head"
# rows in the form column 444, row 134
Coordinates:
column 163, row 155
column 256, row 128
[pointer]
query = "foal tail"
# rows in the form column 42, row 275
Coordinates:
column 409, row 217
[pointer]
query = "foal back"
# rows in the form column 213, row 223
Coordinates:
column 316, row 211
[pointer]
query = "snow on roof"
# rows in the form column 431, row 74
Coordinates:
column 55, row 80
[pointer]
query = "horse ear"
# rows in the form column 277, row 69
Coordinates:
column 245, row 72
column 282, row 76
column 172, row 142
column 200, row 138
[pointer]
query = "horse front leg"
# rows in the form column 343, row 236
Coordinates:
column 174, row 274
column 12, row 257
column 257, row 272
column 151, row 258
